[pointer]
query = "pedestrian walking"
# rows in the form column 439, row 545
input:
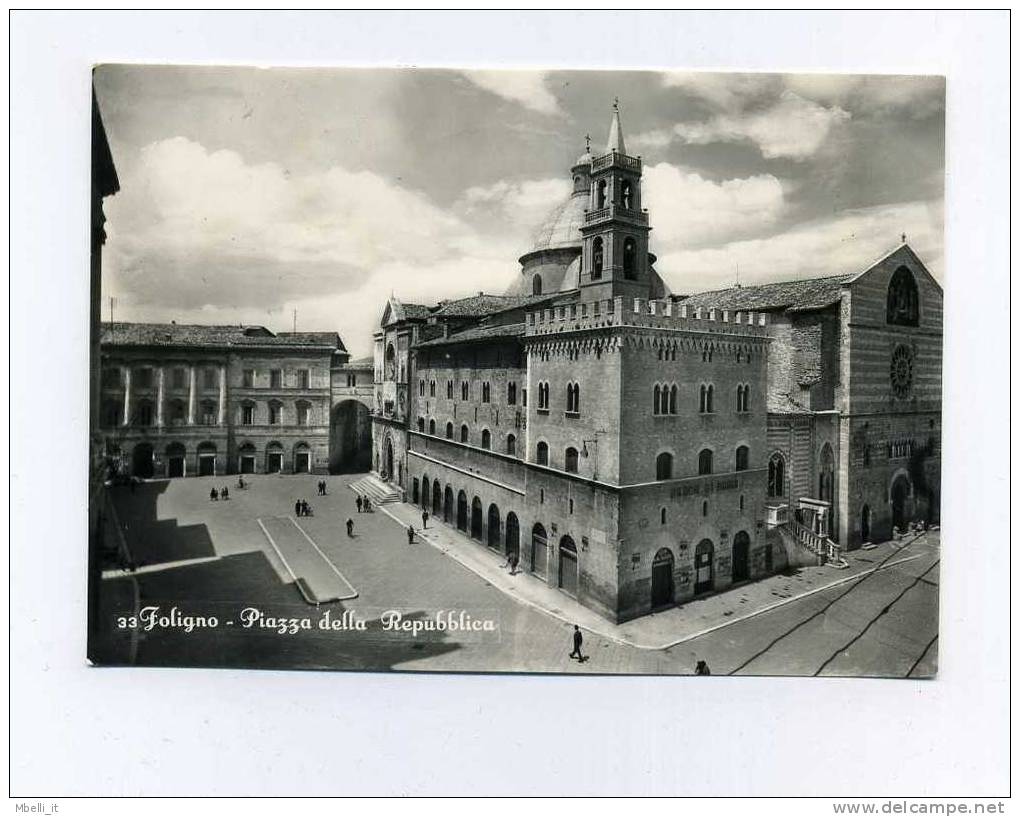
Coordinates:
column 350, row 527
column 324, row 491
column 578, row 640
column 424, row 519
column 224, row 493
column 213, row 496
column 305, row 508
column 367, row 505
column 410, row 534
column 701, row 668
column 358, row 502
column 513, row 564
column 297, row 508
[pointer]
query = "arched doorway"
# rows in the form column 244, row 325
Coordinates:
column 175, row 454
column 900, row 496
column 703, row 558
column 539, row 546
column 513, row 535
column 662, row 579
column 246, row 459
column 448, row 505
column 437, row 498
column 302, row 459
column 865, row 524
column 350, row 437
column 274, row 458
column 426, row 492
column 141, row 461
column 462, row 511
column 476, row 519
column 493, row 536
column 741, row 557
column 388, row 460
column 207, row 460
column 568, row 566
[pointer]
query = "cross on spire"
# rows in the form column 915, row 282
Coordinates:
column 903, row 237
column 587, row 143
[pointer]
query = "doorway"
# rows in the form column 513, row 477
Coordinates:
column 900, row 496
column 539, row 545
column 741, row 555
column 141, row 461
column 302, row 461
column 703, row 557
column 662, row 579
column 568, row 566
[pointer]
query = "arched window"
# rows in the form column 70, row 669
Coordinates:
column 629, row 258
column 656, row 397
column 596, row 258
column 536, row 285
column 664, row 466
column 464, row 433
column 432, row 427
column 674, row 393
column 743, row 455
column 421, row 424
column 432, row 388
column 600, row 195
column 391, row 362
column 662, row 516
column 626, row 195
column 573, row 398
column 421, row 388
column 705, row 399
column 449, row 389
column 777, row 476
column 543, row 396
column 570, row 460
column 710, row 394
column 901, row 302
column 511, row 394
column 486, row 392
column 705, row 462
column 511, row 445
column 486, row 439
column 542, row 454
column 449, row 431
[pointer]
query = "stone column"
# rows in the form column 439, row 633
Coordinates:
column 127, row 394
column 191, row 395
column 160, row 374
column 223, row 394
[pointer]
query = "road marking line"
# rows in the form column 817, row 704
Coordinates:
column 156, row 568
column 354, row 593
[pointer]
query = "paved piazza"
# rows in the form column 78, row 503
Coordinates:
column 215, row 559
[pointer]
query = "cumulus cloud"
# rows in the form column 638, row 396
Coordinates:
column 845, row 243
column 792, row 128
column 725, row 91
column 525, row 87
column 689, row 210
column 205, row 236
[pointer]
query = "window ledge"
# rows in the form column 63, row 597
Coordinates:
column 573, row 415
column 542, row 411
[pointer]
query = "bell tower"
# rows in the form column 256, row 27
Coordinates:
column 614, row 257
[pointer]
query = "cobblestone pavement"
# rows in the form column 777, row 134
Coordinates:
column 878, row 623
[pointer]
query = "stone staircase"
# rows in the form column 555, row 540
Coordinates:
column 379, row 492
column 821, row 547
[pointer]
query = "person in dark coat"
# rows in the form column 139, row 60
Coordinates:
column 224, row 493
column 513, row 564
column 701, row 668
column 358, row 503
column 297, row 508
column 578, row 640
column 306, row 509
column 350, row 526
column 213, row 495
column 410, row 534
column 424, row 519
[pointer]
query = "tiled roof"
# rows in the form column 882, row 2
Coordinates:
column 811, row 293
column 416, row 310
column 178, row 334
column 477, row 334
column 360, row 363
column 478, row 306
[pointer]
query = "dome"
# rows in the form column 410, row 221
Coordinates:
column 572, row 276
column 583, row 159
column 562, row 227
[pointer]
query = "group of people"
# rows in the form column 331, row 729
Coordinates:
column 223, row 494
column 364, row 504
column 302, row 508
column 322, row 488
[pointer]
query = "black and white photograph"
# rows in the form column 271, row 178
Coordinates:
column 510, row 404
column 505, row 371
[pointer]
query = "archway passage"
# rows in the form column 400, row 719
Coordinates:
column 426, row 492
column 662, row 579
column 388, row 461
column 448, row 505
column 476, row 519
column 350, row 438
column 539, row 545
column 302, row 459
column 900, row 495
column 246, row 459
column 437, row 498
column 207, row 460
column 568, row 566
column 703, row 557
column 741, row 556
column 175, row 454
column 274, row 458
column 493, row 534
column 513, row 535
column 141, row 461
column 462, row 511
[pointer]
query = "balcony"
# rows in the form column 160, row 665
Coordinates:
column 620, row 160
column 616, row 211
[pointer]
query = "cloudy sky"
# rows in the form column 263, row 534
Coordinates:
column 249, row 193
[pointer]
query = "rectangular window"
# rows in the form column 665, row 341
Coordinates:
column 276, row 379
column 511, row 394
column 111, row 378
column 248, row 415
column 465, row 390
column 302, row 414
column 449, row 389
column 209, row 413
column 274, row 414
column 524, row 398
column 143, row 378
column 248, row 378
column 178, row 378
column 209, row 378
column 302, row 378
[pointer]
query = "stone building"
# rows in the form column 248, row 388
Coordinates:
column 611, row 437
column 854, row 396
column 184, row 400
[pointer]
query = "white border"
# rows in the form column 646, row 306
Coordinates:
column 85, row 731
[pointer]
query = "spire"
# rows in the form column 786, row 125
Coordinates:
column 615, row 142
